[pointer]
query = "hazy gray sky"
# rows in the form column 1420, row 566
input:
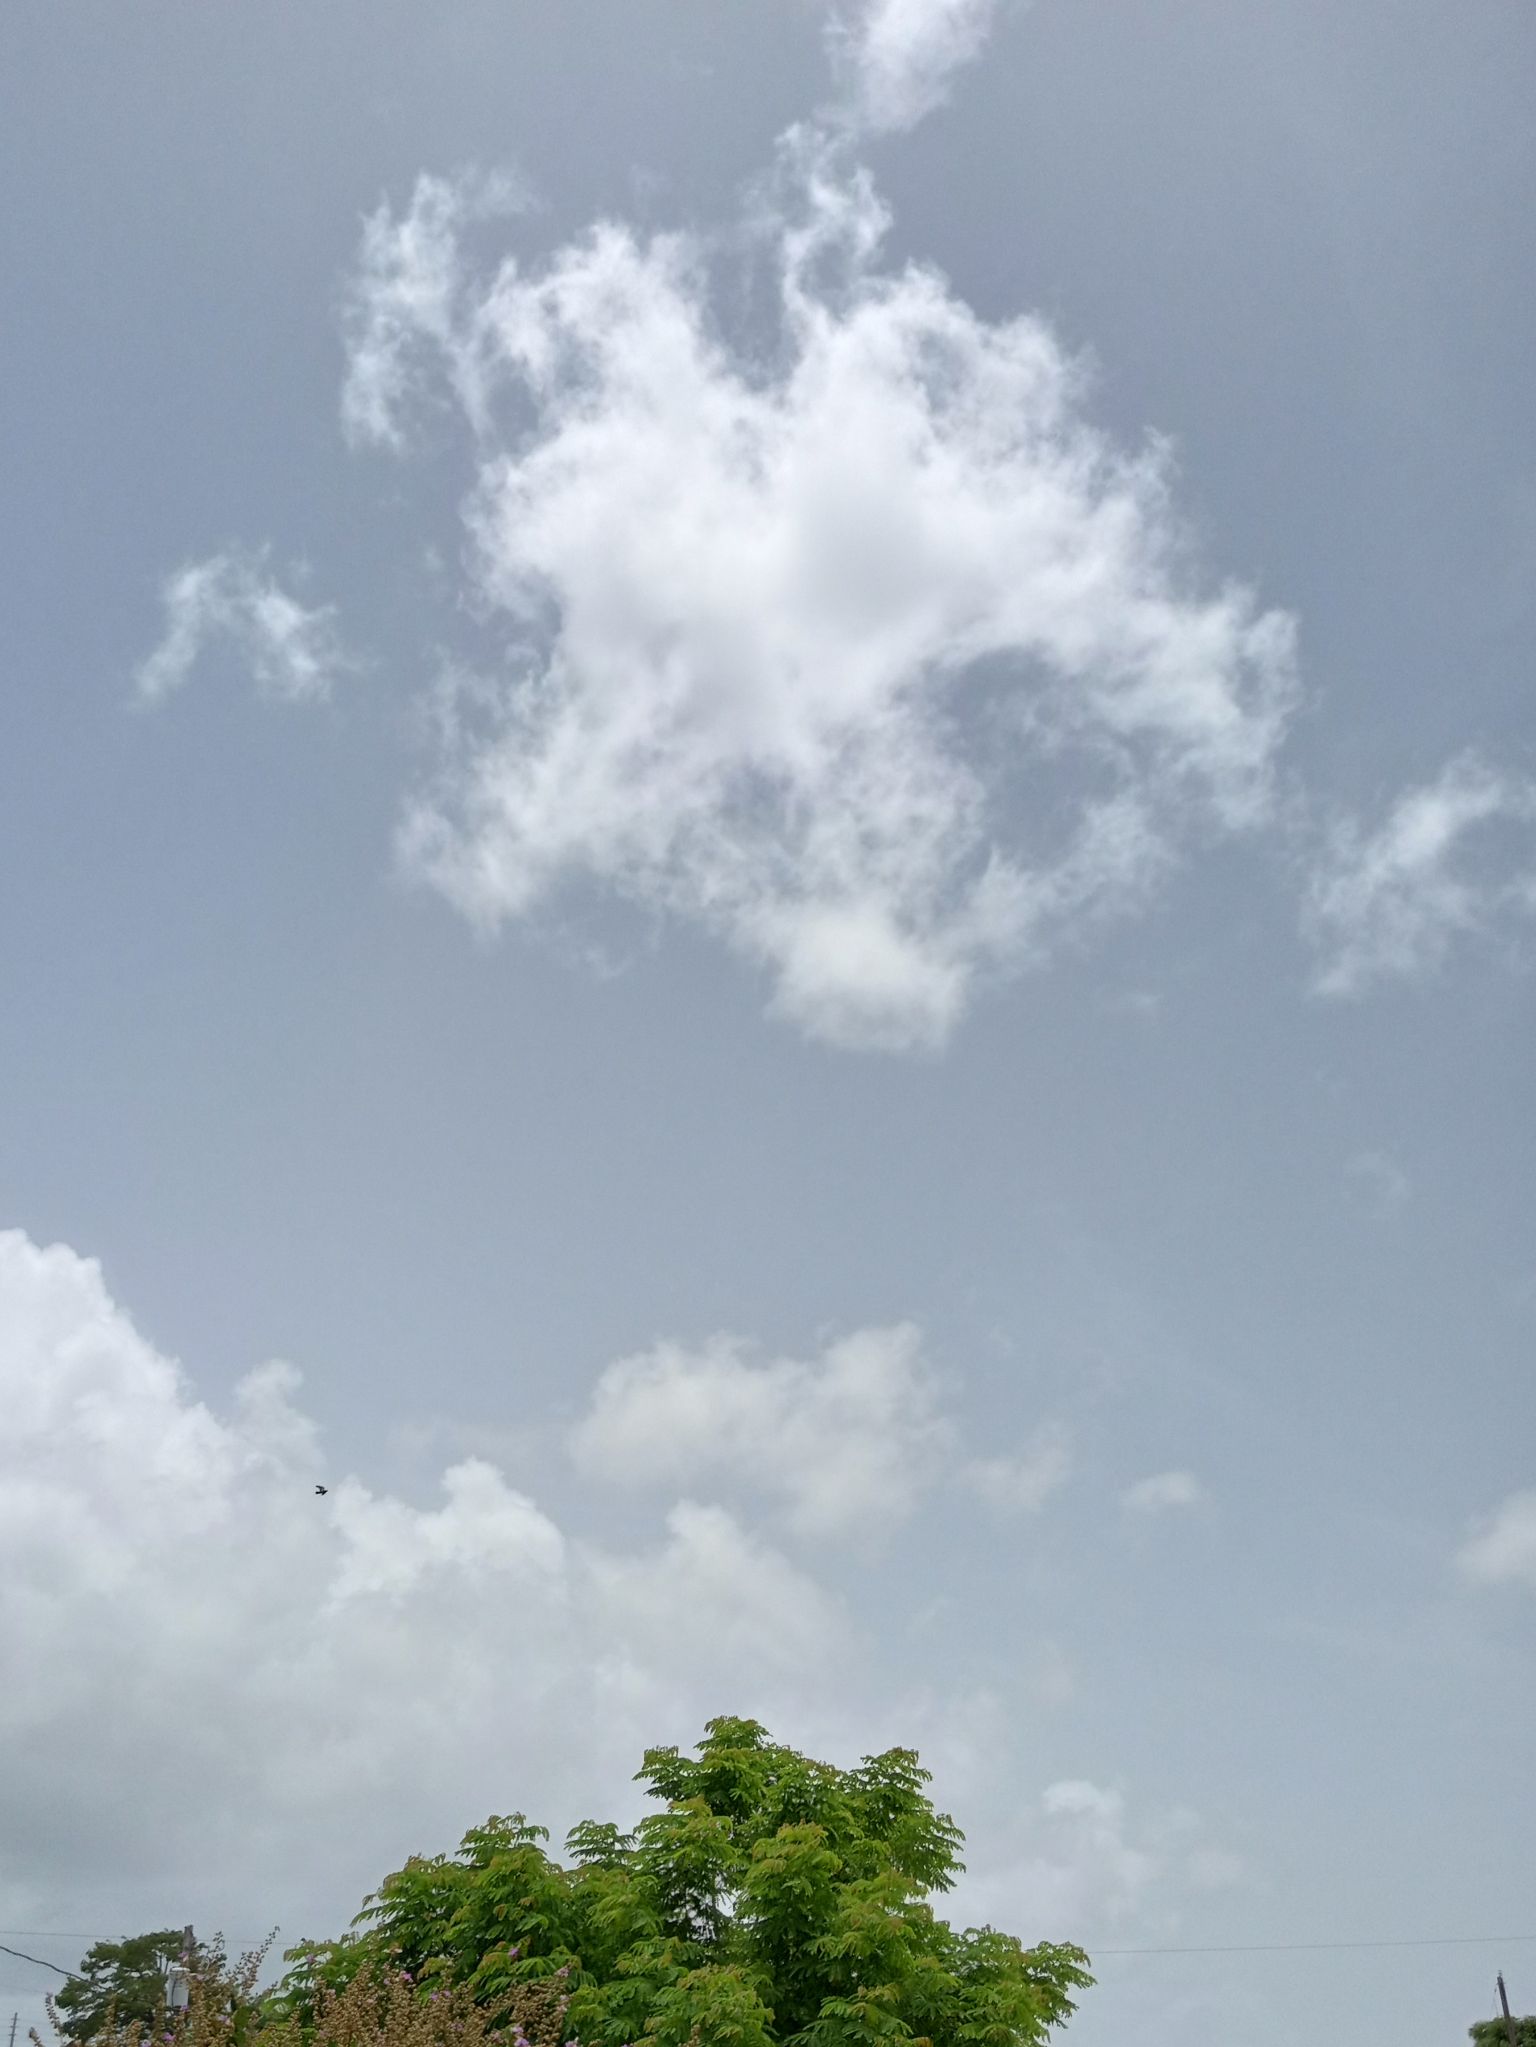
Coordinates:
column 769, row 816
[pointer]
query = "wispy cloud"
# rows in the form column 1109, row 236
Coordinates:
column 404, row 303
column 1378, row 1182
column 1450, row 858
column 1092, row 1863
column 864, row 649
column 1164, row 1492
column 899, row 56
column 1022, row 1483
column 1503, row 1549
column 233, row 599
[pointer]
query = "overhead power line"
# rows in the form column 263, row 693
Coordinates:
column 1315, row 1947
column 67, row 1933
column 46, row 1933
column 37, row 1959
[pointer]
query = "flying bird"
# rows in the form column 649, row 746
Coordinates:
column 321, row 1491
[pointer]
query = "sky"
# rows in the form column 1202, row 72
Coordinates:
column 768, row 810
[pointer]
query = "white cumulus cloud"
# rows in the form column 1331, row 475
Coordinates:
column 900, row 55
column 292, row 650
column 227, row 1698
column 845, row 1444
column 221, row 1686
column 1164, row 1492
column 860, row 646
column 1503, row 1550
column 1451, row 858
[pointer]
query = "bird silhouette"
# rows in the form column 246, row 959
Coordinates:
column 320, row 1491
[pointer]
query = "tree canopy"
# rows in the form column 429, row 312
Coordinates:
column 772, row 1901
column 1495, row 2032
column 124, row 1977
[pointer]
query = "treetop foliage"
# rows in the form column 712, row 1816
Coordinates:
column 123, row 1980
column 773, row 1901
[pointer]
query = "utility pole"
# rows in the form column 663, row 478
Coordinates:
column 15, row 2015
column 1509, row 2024
column 178, row 1978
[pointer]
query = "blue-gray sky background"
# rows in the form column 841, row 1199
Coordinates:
column 1162, row 1214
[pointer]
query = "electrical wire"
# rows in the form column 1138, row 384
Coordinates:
column 60, row 1933
column 39, row 1933
column 1313, row 1947
column 37, row 1959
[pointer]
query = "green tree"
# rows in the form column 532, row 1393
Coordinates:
column 773, row 1901
column 124, row 1977
column 1495, row 2032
